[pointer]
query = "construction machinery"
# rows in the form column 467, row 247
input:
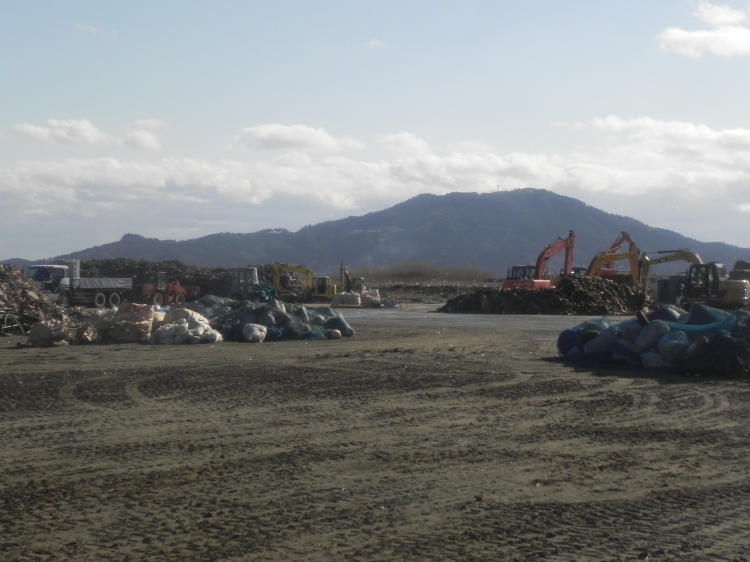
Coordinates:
column 245, row 286
column 602, row 265
column 157, row 291
column 316, row 287
column 536, row 276
column 668, row 290
column 709, row 284
column 61, row 281
column 608, row 269
column 349, row 284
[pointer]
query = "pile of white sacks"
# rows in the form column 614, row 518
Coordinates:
column 366, row 299
column 180, row 326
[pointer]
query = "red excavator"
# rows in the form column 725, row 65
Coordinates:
column 536, row 277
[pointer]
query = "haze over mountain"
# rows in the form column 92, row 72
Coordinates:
column 491, row 231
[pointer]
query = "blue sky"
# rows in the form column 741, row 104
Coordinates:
column 180, row 119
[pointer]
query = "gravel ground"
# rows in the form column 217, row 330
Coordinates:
column 425, row 437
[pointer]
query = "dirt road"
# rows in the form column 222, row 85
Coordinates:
column 406, row 442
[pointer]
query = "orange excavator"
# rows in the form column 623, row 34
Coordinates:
column 536, row 276
column 157, row 291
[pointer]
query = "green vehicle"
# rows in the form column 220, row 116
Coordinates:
column 245, row 286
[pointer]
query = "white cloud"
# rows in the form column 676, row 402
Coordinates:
column 93, row 30
column 293, row 137
column 719, row 16
column 147, row 124
column 725, row 38
column 641, row 167
column 403, row 143
column 376, row 44
column 83, row 132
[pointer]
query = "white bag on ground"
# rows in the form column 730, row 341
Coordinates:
column 346, row 299
column 254, row 333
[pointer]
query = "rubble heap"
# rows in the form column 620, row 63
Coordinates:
column 18, row 298
column 211, row 280
column 572, row 295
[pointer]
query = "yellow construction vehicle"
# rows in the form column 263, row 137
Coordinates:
column 608, row 257
column 316, row 287
column 709, row 284
column 668, row 256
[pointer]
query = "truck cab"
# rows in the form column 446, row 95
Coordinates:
column 51, row 280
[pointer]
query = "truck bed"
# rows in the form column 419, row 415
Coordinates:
column 105, row 283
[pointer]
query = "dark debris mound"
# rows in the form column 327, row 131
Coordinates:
column 18, row 298
column 572, row 295
column 212, row 281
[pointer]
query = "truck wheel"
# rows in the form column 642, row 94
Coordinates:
column 114, row 299
column 64, row 299
column 100, row 300
column 158, row 299
column 179, row 298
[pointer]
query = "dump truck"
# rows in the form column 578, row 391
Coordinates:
column 61, row 282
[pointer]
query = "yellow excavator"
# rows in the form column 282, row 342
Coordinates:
column 705, row 283
column 665, row 257
column 316, row 287
column 614, row 253
column 709, row 284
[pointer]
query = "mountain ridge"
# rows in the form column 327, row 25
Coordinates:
column 490, row 231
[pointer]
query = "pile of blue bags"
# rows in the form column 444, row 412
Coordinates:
column 669, row 338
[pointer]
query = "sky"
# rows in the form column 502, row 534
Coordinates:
column 175, row 120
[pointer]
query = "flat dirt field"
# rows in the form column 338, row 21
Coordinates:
column 402, row 443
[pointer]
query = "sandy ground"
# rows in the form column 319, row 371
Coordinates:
column 420, row 438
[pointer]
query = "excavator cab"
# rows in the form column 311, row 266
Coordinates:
column 520, row 272
column 322, row 288
column 703, row 280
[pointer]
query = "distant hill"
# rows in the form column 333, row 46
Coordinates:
column 490, row 231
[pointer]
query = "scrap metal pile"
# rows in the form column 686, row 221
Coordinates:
column 212, row 281
column 21, row 306
column 572, row 295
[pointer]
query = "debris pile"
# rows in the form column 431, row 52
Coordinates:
column 21, row 306
column 669, row 338
column 281, row 321
column 133, row 323
column 212, row 281
column 572, row 295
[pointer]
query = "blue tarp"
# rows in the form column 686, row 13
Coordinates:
column 667, row 339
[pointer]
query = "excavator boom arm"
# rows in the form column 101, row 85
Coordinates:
column 551, row 250
column 678, row 255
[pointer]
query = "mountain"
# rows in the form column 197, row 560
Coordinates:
column 490, row 230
